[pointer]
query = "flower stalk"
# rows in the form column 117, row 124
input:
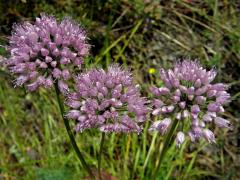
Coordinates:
column 70, row 134
column 100, row 155
column 167, row 142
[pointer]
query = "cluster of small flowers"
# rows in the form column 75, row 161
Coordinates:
column 47, row 52
column 190, row 97
column 107, row 100
column 43, row 51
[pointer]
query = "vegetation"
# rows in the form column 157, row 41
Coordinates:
column 143, row 35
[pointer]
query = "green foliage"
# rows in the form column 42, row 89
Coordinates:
column 49, row 174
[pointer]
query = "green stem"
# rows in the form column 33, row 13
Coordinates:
column 167, row 142
column 151, row 149
column 100, row 155
column 70, row 134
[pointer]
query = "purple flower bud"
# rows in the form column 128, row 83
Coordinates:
column 179, row 116
column 21, row 67
column 200, row 100
column 195, row 122
column 182, row 104
column 52, row 46
column 73, row 103
column 63, row 87
column 114, row 128
column 48, row 83
column 201, row 90
column 212, row 114
column 190, row 97
column 197, row 83
column 48, row 59
column 219, row 87
column 44, row 52
column 41, row 80
column 84, row 51
column 207, row 118
column 223, row 99
column 78, row 61
column 222, row 93
column 223, row 123
column 38, row 61
column 109, row 84
column 190, row 91
column 213, row 107
column 157, row 103
column 164, row 109
column 20, row 80
column 31, row 66
column 211, row 93
column 54, row 64
column 33, row 54
column 156, row 111
column 65, row 52
column 33, row 86
column 197, row 132
column 118, row 104
column 195, row 109
column 191, row 135
column 126, row 120
column 73, row 114
column 202, row 124
column 170, row 108
column 208, row 135
column 175, row 82
column 64, row 60
column 183, row 89
column 57, row 73
column 177, row 93
column 163, row 91
column 93, row 92
column 33, row 37
column 116, row 92
column 58, row 39
column 81, row 118
column 154, row 126
column 66, row 74
column 180, row 139
column 185, row 114
column 43, row 65
column 56, row 52
column 176, row 99
column 161, row 126
column 32, row 74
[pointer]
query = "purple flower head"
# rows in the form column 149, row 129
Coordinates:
column 107, row 100
column 45, row 51
column 193, row 99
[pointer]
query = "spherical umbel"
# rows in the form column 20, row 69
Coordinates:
column 46, row 50
column 107, row 100
column 194, row 100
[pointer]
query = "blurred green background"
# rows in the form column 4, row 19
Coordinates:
column 143, row 35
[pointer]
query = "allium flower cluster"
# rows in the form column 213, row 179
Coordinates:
column 191, row 98
column 45, row 51
column 107, row 100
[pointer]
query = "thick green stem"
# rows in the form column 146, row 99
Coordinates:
column 100, row 155
column 167, row 142
column 70, row 134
